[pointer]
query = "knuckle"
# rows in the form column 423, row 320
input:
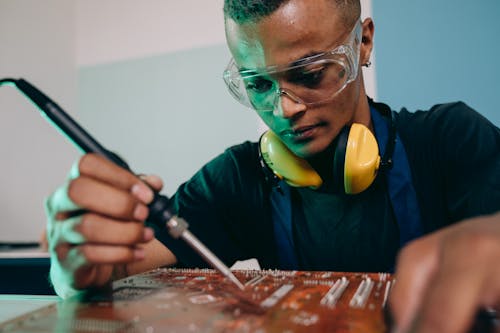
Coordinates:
column 74, row 187
column 61, row 252
column 86, row 252
column 130, row 234
column 472, row 244
column 83, row 162
column 128, row 207
column 418, row 255
column 85, row 226
column 136, row 232
column 412, row 252
column 86, row 163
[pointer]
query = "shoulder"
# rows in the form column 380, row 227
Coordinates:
column 455, row 118
column 446, row 124
column 453, row 136
column 453, row 157
column 226, row 175
column 240, row 158
column 241, row 153
column 450, row 136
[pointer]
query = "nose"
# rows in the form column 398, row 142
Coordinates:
column 289, row 105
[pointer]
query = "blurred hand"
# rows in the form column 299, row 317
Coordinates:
column 95, row 224
column 444, row 279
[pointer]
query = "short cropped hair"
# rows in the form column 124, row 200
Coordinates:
column 252, row 11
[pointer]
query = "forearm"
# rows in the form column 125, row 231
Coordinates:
column 156, row 255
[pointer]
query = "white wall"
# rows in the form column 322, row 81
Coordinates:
column 369, row 73
column 37, row 43
column 114, row 30
column 57, row 43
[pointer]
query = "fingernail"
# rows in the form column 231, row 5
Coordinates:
column 142, row 192
column 148, row 234
column 141, row 212
column 139, row 253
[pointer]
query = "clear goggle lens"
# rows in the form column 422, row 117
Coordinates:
column 312, row 80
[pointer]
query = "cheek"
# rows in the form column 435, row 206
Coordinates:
column 267, row 118
column 346, row 103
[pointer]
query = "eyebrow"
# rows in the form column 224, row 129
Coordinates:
column 305, row 58
column 297, row 62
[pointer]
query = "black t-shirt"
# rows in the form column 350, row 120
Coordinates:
column 454, row 157
column 345, row 232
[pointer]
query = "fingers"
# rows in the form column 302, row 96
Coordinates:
column 443, row 280
column 101, row 169
column 88, row 255
column 88, row 265
column 92, row 275
column 417, row 263
column 100, row 197
column 104, row 188
column 86, row 248
column 466, row 282
column 95, row 222
column 152, row 180
column 443, row 301
column 96, row 229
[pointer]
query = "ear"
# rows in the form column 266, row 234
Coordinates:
column 366, row 41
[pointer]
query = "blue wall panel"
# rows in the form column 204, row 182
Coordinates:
column 430, row 52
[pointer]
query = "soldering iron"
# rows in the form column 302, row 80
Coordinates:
column 159, row 208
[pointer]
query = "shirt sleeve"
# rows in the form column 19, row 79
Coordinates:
column 222, row 204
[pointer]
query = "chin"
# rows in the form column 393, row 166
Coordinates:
column 309, row 149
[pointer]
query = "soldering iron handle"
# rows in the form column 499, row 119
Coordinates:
column 65, row 123
column 159, row 210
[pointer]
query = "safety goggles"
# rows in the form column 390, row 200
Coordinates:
column 310, row 81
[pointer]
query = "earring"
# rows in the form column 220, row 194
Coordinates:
column 367, row 64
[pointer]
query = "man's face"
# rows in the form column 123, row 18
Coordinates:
column 296, row 30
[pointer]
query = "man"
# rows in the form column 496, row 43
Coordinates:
column 297, row 63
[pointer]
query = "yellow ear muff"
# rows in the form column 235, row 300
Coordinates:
column 356, row 160
column 285, row 164
column 362, row 159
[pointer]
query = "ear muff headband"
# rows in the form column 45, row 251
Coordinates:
column 339, row 159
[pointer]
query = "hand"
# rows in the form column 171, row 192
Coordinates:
column 95, row 224
column 444, row 279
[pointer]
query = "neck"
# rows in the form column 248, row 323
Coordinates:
column 363, row 116
column 323, row 164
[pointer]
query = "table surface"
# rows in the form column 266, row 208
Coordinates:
column 12, row 306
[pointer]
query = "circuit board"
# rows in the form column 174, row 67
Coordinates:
column 202, row 300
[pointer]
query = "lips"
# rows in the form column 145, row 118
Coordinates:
column 300, row 131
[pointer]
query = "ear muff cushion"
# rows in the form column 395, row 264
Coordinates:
column 362, row 159
column 339, row 159
column 285, row 164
